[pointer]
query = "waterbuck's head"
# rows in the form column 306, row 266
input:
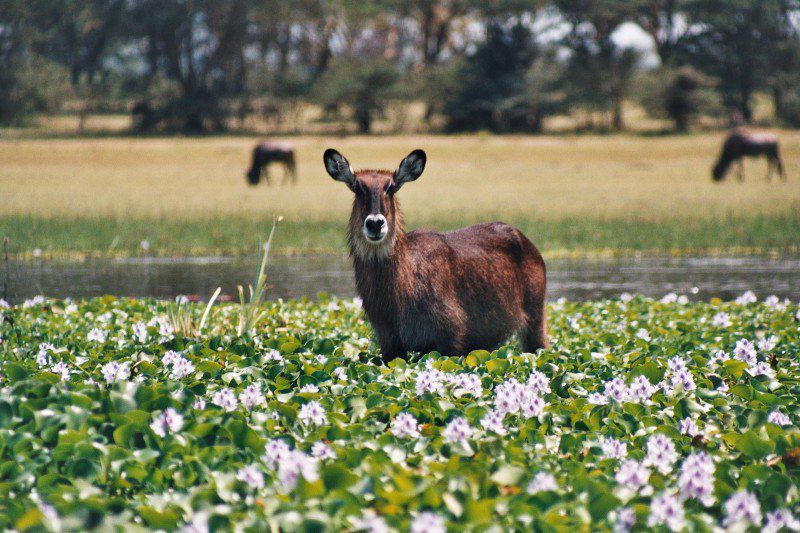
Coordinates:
column 375, row 221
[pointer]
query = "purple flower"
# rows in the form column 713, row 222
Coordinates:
column 721, row 320
column 768, row 343
column 469, row 382
column 251, row 476
column 322, row 451
column 170, row 421
column 251, row 396
column 676, row 364
column 760, row 369
column 532, row 405
column 748, row 297
column 666, row 509
column 745, row 351
column 225, row 398
column 696, row 479
column 641, row 389
column 458, row 430
column 542, row 482
column 625, row 521
column 779, row 419
column 539, row 383
column 613, row 449
column 689, row 427
column 61, row 369
column 140, row 332
column 632, row 474
column 274, row 451
column 430, row 380
column 508, row 396
column 742, row 506
column 273, row 355
column 493, row 421
column 661, row 453
column 169, row 358
column 42, row 359
column 405, row 426
column 683, row 379
column 596, row 398
column 427, row 522
column 290, row 464
column 616, row 390
column 781, row 519
column 97, row 335
column 313, row 413
column 370, row 523
column 717, row 358
column 181, row 368
column 114, row 372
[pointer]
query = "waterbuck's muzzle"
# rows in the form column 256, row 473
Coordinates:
column 375, row 228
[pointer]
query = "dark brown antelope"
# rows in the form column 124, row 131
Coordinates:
column 740, row 144
column 452, row 292
column 267, row 152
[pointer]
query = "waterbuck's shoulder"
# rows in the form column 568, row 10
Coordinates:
column 491, row 236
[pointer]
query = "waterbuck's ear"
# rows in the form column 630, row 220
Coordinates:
column 410, row 168
column 338, row 167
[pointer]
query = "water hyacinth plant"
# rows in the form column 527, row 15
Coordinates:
column 111, row 420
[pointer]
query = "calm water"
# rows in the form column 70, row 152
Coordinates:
column 289, row 277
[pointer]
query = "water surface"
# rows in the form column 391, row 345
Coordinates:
column 700, row 278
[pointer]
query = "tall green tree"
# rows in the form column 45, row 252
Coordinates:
column 600, row 72
column 735, row 43
column 667, row 22
column 492, row 92
column 198, row 46
column 29, row 81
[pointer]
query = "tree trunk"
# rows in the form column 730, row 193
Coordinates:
column 363, row 118
column 778, row 102
column 617, row 103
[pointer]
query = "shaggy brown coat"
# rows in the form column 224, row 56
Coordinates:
column 451, row 292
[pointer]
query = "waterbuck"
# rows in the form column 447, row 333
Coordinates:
column 740, row 144
column 453, row 292
column 267, row 152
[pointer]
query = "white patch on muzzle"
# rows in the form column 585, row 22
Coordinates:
column 384, row 229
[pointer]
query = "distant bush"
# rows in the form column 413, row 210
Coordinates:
column 365, row 86
column 790, row 114
column 166, row 108
column 35, row 86
column 492, row 92
column 682, row 95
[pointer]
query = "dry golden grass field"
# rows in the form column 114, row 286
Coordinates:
column 624, row 180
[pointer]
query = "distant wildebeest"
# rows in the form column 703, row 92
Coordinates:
column 740, row 144
column 267, row 152
column 453, row 292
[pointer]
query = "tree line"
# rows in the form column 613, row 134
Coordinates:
column 499, row 65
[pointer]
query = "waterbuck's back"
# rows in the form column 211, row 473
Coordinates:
column 476, row 285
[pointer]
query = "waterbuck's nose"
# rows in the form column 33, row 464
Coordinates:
column 375, row 227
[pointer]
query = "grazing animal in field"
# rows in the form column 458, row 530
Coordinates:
column 453, row 292
column 740, row 144
column 267, row 152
